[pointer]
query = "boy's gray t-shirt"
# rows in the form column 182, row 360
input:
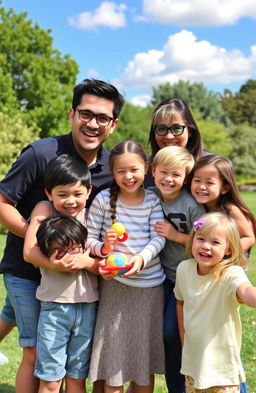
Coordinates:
column 181, row 213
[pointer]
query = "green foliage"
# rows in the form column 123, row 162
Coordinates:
column 134, row 123
column 249, row 86
column 14, row 136
column 242, row 153
column 205, row 103
column 34, row 77
column 241, row 107
column 215, row 137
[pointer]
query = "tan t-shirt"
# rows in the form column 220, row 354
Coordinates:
column 62, row 287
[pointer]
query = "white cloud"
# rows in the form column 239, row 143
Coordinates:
column 183, row 57
column 92, row 72
column 108, row 14
column 141, row 100
column 198, row 12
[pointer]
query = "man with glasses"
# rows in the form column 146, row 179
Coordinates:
column 93, row 117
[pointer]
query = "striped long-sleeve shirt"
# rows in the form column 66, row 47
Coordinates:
column 139, row 221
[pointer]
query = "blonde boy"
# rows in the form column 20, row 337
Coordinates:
column 171, row 167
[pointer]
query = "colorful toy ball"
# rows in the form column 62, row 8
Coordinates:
column 119, row 260
column 120, row 231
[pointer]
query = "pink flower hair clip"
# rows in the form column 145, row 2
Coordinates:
column 198, row 224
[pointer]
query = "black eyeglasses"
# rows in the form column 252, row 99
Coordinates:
column 176, row 129
column 61, row 252
column 101, row 119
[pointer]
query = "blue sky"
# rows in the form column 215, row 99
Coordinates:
column 140, row 44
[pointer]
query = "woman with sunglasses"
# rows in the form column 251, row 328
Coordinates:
column 173, row 125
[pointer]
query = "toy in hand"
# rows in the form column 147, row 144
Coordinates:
column 120, row 231
column 117, row 264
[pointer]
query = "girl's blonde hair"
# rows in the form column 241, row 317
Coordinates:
column 174, row 157
column 212, row 222
column 227, row 174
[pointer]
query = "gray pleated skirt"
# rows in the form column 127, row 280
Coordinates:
column 128, row 341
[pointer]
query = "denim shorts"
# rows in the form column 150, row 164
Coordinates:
column 22, row 308
column 65, row 333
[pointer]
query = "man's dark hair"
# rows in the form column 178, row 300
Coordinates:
column 64, row 170
column 100, row 89
column 64, row 230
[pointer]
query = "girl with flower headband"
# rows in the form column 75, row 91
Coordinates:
column 209, row 290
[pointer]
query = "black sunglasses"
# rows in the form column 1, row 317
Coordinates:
column 176, row 129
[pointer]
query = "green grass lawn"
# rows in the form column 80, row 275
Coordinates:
column 10, row 346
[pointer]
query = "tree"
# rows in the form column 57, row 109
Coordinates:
column 215, row 137
column 205, row 103
column 241, row 107
column 14, row 136
column 242, row 150
column 38, row 78
column 134, row 123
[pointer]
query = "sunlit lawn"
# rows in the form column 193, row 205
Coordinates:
column 10, row 347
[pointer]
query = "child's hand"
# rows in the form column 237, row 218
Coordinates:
column 65, row 264
column 137, row 261
column 166, row 230
column 110, row 239
column 104, row 274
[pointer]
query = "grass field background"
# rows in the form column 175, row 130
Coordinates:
column 10, row 345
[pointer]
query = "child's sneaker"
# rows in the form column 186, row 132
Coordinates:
column 3, row 359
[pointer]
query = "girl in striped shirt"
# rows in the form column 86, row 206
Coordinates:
column 128, row 341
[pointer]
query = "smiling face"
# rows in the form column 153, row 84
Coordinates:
column 169, row 139
column 129, row 171
column 69, row 199
column 169, row 181
column 207, row 186
column 208, row 249
column 89, row 136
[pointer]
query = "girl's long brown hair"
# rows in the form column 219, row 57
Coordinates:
column 227, row 174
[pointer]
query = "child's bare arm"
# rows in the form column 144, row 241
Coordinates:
column 247, row 237
column 179, row 309
column 246, row 293
column 31, row 251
